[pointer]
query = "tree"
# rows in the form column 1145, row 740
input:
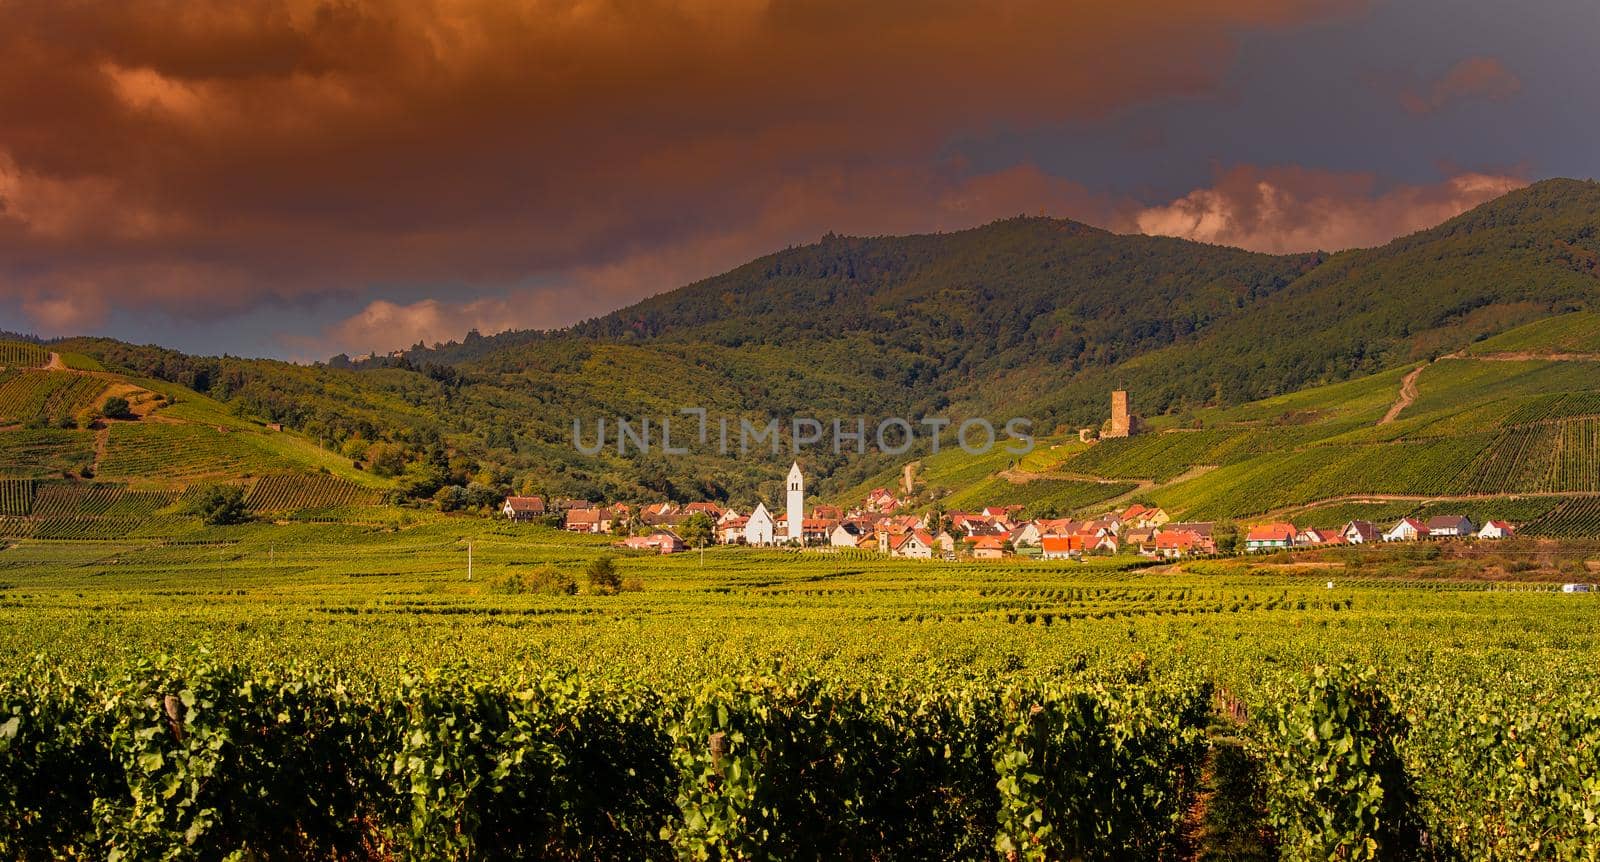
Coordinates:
column 1226, row 535
column 697, row 530
column 451, row 498
column 603, row 577
column 117, row 407
column 220, row 504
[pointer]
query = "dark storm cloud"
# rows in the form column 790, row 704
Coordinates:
column 546, row 161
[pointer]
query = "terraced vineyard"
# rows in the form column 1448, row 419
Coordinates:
column 27, row 395
column 85, row 511
column 289, row 493
column 1561, row 455
column 183, row 453
column 40, row 453
column 1572, row 519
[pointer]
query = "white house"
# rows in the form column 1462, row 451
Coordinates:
column 916, row 545
column 1450, row 526
column 1361, row 532
column 758, row 530
column 1407, row 530
column 796, row 509
column 846, row 535
column 1496, row 530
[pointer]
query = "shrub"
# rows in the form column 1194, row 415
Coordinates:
column 117, row 407
column 603, row 577
column 220, row 504
column 546, row 581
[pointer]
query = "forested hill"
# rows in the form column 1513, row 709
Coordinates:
column 1028, row 316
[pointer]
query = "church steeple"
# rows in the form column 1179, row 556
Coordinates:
column 797, row 504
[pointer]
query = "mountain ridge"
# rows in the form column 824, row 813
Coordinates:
column 1025, row 316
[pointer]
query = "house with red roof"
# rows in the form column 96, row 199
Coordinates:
column 661, row 541
column 1268, row 537
column 990, row 547
column 1406, row 530
column 915, row 545
column 1061, row 547
column 1174, row 544
column 1496, row 530
column 523, row 508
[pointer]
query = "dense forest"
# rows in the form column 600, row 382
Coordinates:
column 1026, row 317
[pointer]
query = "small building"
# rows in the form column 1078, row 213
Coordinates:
column 1144, row 517
column 1315, row 536
column 1203, row 531
column 1361, row 533
column 1061, row 547
column 989, row 547
column 915, row 545
column 1025, row 535
column 1496, row 530
column 731, row 531
column 1176, row 544
column 661, row 541
column 759, row 529
column 1270, row 537
column 1576, row 588
column 523, row 508
column 1406, row 530
column 1450, row 527
column 587, row 521
column 847, row 534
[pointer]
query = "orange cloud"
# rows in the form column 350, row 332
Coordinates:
column 1289, row 209
column 201, row 156
column 1475, row 77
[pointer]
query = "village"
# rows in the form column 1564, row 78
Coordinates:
column 881, row 525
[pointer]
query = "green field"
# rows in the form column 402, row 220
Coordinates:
column 362, row 666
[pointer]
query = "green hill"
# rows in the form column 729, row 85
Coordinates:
column 71, row 470
column 1494, row 433
column 1025, row 317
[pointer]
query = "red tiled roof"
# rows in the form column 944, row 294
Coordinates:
column 1279, row 532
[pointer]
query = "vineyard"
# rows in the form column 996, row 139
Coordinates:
column 16, row 497
column 178, row 453
column 290, row 493
column 1059, row 495
column 28, row 395
column 20, row 354
column 1573, row 518
column 1552, row 456
column 358, row 697
column 44, row 452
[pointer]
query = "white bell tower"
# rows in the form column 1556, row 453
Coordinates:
column 797, row 504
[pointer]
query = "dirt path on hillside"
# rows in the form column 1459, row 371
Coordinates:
column 1408, row 395
column 1534, row 357
column 102, row 440
column 55, row 363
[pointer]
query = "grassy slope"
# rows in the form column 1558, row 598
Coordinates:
column 1478, row 428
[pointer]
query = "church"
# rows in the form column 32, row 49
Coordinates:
column 761, row 530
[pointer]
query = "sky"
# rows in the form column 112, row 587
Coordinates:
column 299, row 178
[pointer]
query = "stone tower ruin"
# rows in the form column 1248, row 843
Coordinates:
column 1121, row 420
